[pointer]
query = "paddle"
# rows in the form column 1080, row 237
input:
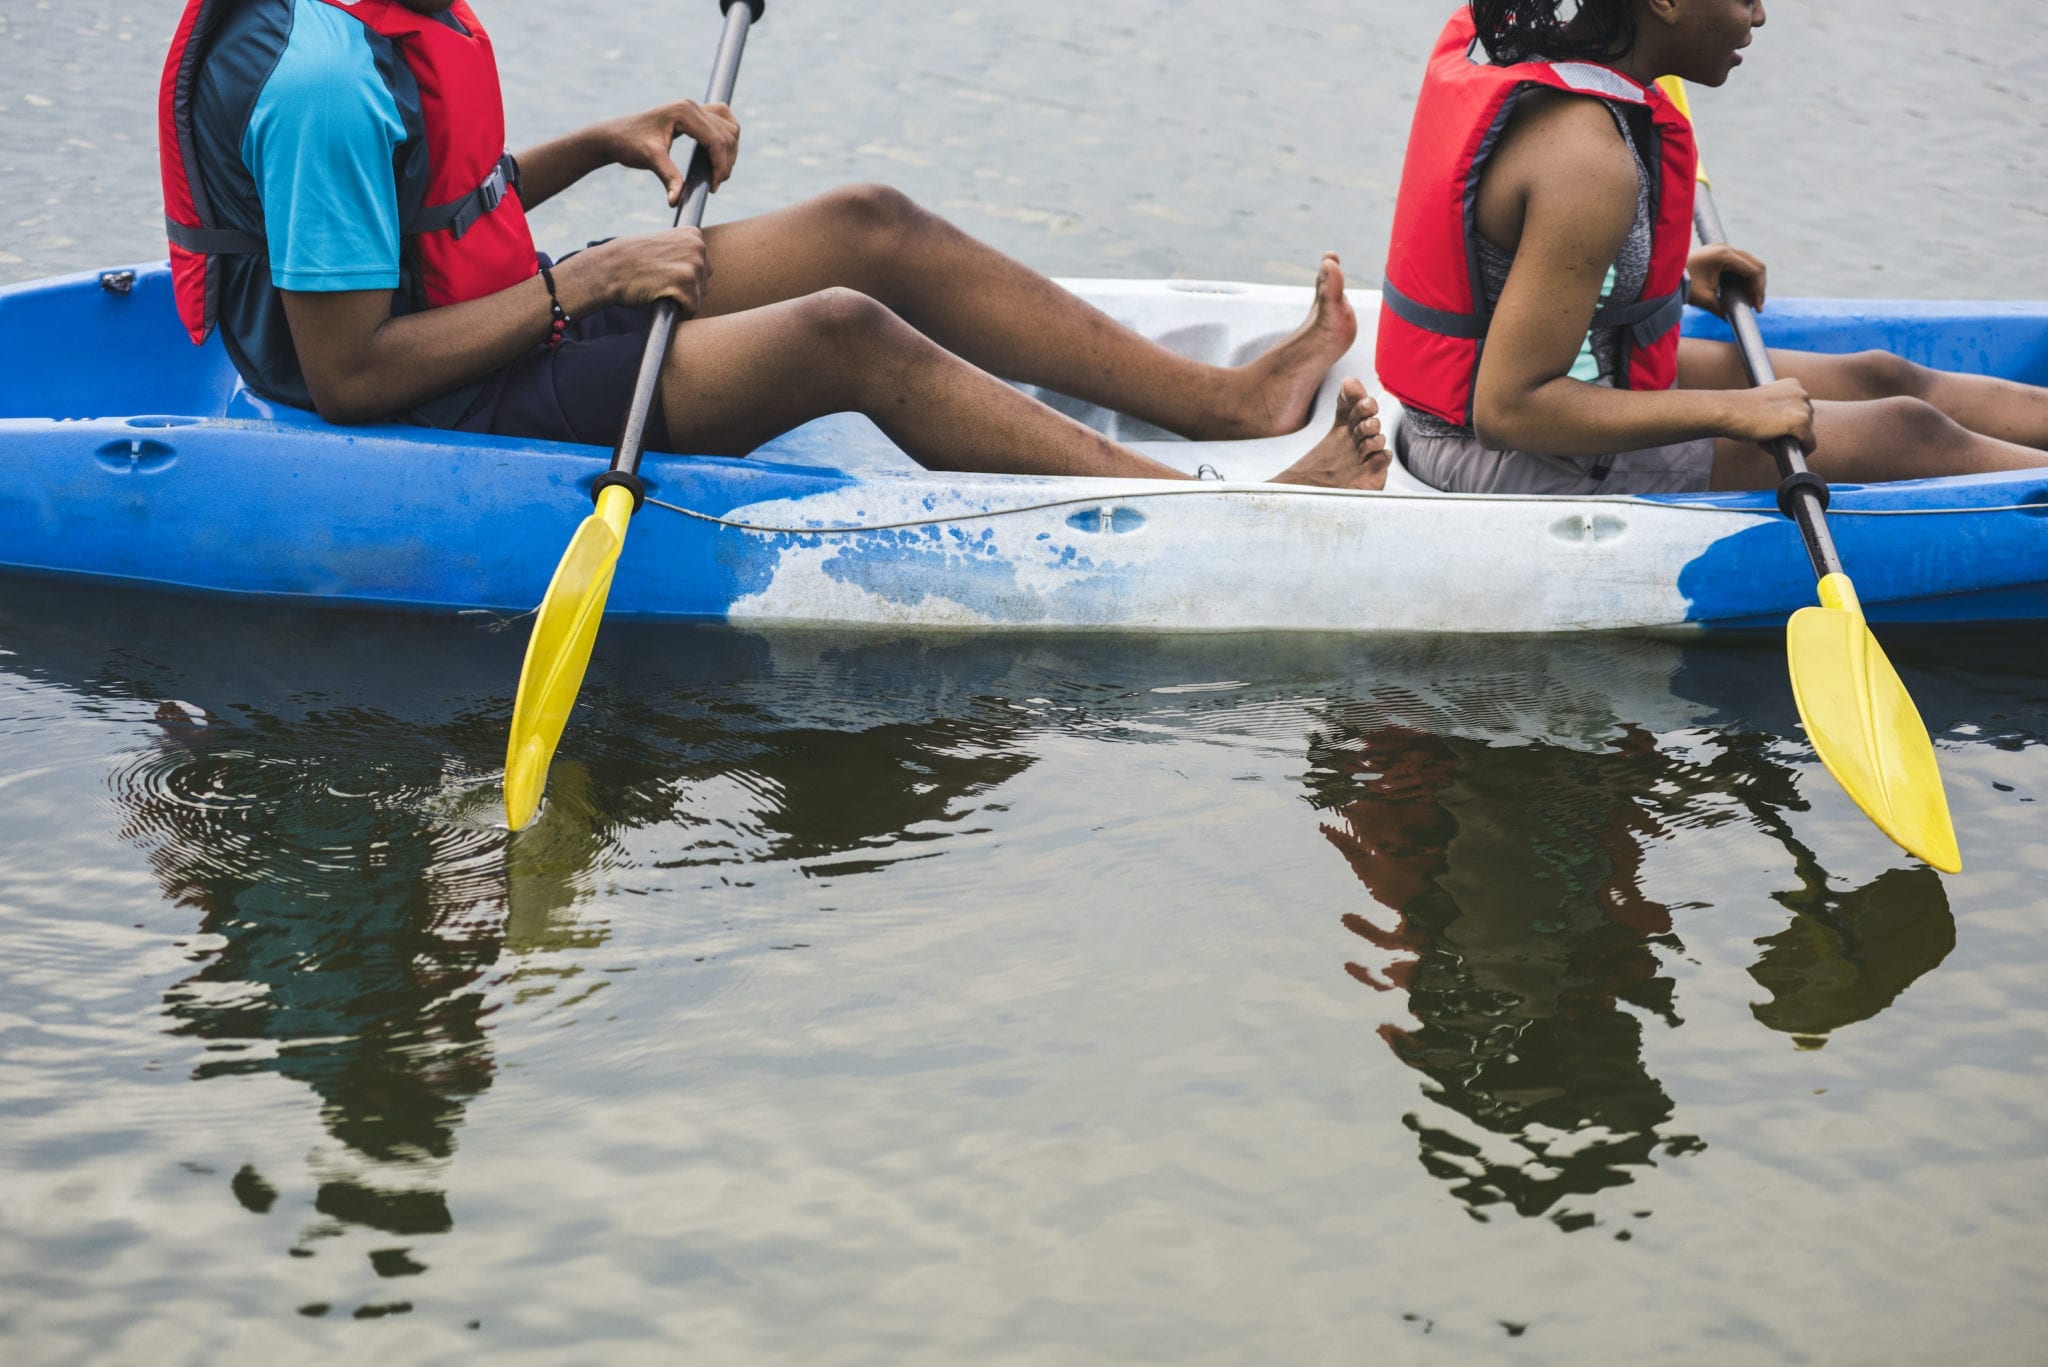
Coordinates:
column 1863, row 724
column 565, row 627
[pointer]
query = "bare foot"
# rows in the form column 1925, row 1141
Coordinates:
column 1280, row 387
column 1353, row 455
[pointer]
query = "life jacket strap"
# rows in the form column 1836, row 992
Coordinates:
column 460, row 215
column 1646, row 319
column 1468, row 326
column 213, row 241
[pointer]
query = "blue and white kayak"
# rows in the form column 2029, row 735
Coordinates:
column 128, row 455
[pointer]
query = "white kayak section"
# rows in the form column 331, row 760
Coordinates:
column 1214, row 556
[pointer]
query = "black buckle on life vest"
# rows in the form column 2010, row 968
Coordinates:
column 480, row 201
column 459, row 216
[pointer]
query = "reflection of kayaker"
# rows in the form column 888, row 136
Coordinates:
column 1514, row 873
column 353, row 942
column 361, row 926
column 1510, row 858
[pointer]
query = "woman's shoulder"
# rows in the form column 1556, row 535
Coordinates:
column 1569, row 144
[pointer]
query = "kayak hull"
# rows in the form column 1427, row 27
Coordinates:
column 174, row 477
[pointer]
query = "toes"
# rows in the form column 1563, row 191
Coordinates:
column 1367, row 434
column 1329, row 279
column 1347, row 402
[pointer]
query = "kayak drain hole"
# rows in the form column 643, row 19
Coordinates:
column 163, row 420
column 136, row 456
column 1581, row 528
column 1111, row 520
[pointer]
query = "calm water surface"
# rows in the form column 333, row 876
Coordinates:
column 1068, row 999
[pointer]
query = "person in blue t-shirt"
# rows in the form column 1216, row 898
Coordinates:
column 857, row 300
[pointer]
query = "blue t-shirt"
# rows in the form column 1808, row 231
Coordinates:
column 320, row 145
column 309, row 135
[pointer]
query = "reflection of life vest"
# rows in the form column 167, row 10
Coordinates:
column 465, row 235
column 1432, row 323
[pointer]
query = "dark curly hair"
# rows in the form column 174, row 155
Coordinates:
column 1532, row 31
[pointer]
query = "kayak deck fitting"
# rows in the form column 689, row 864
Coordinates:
column 129, row 455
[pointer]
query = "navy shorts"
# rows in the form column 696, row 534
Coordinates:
column 577, row 391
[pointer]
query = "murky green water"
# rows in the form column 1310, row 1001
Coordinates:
column 1071, row 999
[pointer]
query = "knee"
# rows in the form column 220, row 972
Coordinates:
column 1881, row 375
column 846, row 314
column 1916, row 424
column 877, row 211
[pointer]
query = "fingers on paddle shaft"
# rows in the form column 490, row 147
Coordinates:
column 1868, row 733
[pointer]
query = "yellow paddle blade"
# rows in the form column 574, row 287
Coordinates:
column 1865, row 728
column 564, row 631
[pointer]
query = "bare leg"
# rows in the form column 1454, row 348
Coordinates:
column 2003, row 409
column 736, row 381
column 1881, row 439
column 1009, row 320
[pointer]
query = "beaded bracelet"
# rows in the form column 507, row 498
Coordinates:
column 560, row 315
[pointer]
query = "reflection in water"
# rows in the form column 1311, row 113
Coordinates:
column 1513, row 872
column 359, row 902
column 321, row 791
column 351, row 942
column 1847, row 956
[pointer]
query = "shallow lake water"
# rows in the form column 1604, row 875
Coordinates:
column 1024, row 998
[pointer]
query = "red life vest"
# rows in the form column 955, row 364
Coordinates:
column 469, row 240
column 1432, row 321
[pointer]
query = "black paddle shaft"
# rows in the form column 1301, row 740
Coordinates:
column 1800, row 495
column 725, row 73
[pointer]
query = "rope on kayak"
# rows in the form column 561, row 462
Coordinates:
column 1130, row 496
column 988, row 514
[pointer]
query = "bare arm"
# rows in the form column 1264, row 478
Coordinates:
column 1561, row 193
column 362, row 364
column 642, row 141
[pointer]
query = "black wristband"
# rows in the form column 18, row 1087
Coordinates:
column 560, row 315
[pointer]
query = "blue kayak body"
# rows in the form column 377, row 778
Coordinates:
column 129, row 455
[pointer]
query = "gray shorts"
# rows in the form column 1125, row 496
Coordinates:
column 1460, row 465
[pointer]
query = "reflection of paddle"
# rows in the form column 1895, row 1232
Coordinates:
column 1863, row 724
column 565, row 627
column 1847, row 956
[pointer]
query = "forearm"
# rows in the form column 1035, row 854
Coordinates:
column 400, row 362
column 1566, row 417
column 552, row 167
